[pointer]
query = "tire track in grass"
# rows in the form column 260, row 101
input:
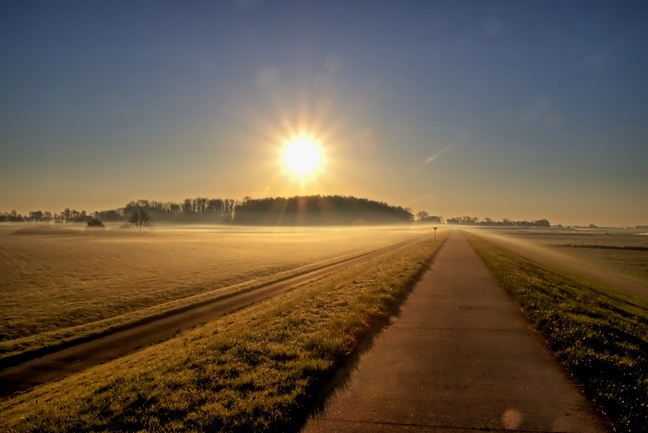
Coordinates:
column 80, row 356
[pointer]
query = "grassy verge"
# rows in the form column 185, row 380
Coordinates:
column 599, row 334
column 259, row 369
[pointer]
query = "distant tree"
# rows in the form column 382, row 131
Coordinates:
column 317, row 210
column 175, row 208
column 188, row 206
column 15, row 216
column 109, row 215
column 67, row 215
column 424, row 217
column 36, row 216
column 140, row 218
column 81, row 217
column 95, row 223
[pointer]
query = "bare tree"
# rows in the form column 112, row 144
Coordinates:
column 140, row 218
column 422, row 216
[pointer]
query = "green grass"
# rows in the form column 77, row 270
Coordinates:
column 259, row 369
column 599, row 334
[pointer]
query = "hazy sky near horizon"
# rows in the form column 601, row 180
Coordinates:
column 523, row 110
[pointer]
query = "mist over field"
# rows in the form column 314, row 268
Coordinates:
column 615, row 256
column 70, row 276
column 68, row 283
column 61, row 280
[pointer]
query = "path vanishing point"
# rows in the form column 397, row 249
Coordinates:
column 460, row 357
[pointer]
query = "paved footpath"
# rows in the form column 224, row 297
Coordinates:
column 460, row 357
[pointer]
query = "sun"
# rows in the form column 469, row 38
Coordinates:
column 302, row 156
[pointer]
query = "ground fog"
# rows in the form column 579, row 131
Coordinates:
column 61, row 281
column 618, row 257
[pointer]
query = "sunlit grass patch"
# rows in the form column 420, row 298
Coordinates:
column 259, row 369
column 599, row 334
column 60, row 289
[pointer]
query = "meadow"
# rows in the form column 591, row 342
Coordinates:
column 258, row 369
column 60, row 283
column 618, row 257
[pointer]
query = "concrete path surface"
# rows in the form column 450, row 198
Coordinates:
column 460, row 357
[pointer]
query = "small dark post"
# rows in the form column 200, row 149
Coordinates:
column 435, row 229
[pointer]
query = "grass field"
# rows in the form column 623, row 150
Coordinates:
column 599, row 333
column 259, row 369
column 60, row 282
column 622, row 252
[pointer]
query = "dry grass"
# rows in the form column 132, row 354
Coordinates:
column 255, row 370
column 62, row 283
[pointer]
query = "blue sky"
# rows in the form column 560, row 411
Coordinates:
column 502, row 109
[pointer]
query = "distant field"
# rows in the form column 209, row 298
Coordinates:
column 620, row 252
column 59, row 282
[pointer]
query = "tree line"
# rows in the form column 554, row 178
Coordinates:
column 475, row 221
column 319, row 210
column 66, row 216
column 298, row 210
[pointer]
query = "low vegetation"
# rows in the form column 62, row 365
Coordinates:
column 63, row 284
column 620, row 252
column 599, row 334
column 255, row 370
column 96, row 223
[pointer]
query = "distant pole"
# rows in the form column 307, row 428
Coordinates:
column 435, row 229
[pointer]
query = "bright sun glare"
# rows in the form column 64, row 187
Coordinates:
column 302, row 155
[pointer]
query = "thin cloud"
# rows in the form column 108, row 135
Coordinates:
column 430, row 159
column 436, row 155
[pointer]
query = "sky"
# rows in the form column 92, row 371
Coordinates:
column 499, row 109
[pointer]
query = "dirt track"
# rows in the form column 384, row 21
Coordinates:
column 79, row 357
